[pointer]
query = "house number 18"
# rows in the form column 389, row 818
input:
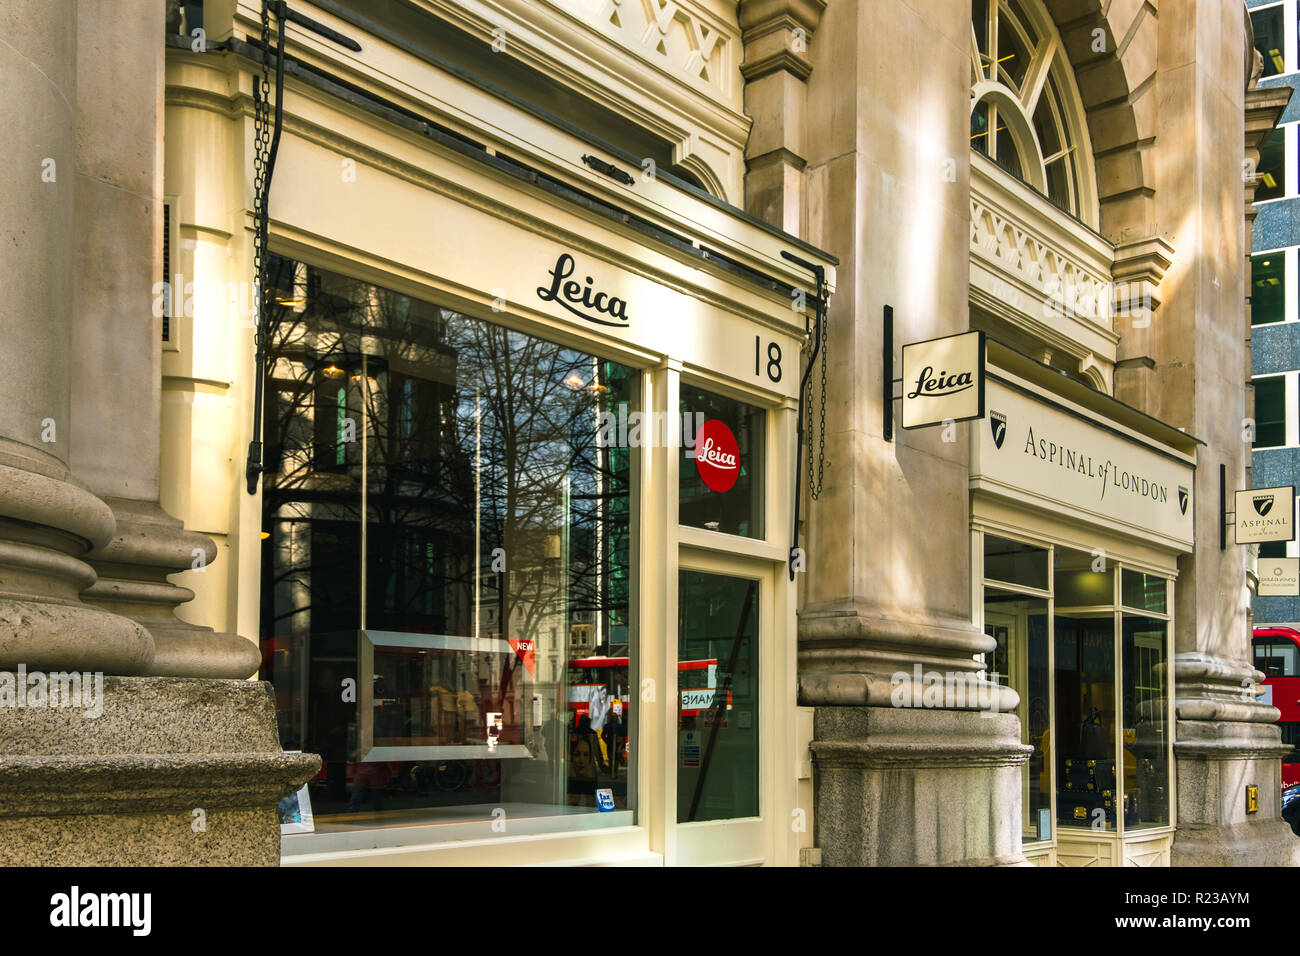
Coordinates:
column 773, row 359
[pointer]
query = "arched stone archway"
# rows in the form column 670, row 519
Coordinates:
column 1112, row 46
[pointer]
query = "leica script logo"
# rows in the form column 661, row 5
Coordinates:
column 717, row 456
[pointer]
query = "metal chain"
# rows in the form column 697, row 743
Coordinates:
column 822, row 331
column 261, row 162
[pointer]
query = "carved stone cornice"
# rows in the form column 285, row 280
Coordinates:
column 776, row 35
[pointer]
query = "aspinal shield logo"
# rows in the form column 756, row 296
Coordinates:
column 1184, row 497
column 1263, row 504
column 717, row 456
column 998, row 424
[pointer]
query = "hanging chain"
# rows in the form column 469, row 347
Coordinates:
column 819, row 336
column 266, row 140
column 261, row 163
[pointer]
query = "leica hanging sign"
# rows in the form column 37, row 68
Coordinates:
column 943, row 380
column 1265, row 514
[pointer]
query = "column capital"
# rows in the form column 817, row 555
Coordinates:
column 776, row 34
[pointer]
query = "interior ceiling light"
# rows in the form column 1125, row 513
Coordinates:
column 575, row 381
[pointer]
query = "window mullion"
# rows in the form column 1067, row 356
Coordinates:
column 1038, row 70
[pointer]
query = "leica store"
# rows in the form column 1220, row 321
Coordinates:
column 526, row 505
column 1080, row 510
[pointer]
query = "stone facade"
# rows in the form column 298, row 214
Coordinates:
column 844, row 123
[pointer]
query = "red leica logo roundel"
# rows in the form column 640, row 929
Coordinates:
column 717, row 457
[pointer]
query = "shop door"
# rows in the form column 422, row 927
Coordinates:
column 721, row 713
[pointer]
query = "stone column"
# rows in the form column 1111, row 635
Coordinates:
column 1224, row 738
column 48, row 520
column 888, row 585
column 116, row 342
column 777, row 35
column 94, row 769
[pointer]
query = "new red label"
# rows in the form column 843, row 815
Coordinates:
column 717, row 456
column 525, row 650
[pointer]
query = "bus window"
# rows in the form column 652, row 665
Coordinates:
column 1277, row 658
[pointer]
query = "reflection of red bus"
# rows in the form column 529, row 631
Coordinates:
column 1277, row 654
column 697, row 682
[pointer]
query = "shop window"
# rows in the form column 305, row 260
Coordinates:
column 446, row 613
column 1270, row 411
column 1267, row 26
column 716, row 493
column 1093, row 687
column 1018, row 624
column 1085, row 718
column 1146, row 592
column 1267, row 288
column 1083, row 580
column 1085, row 691
column 1270, row 175
column 1015, row 563
column 1145, row 664
column 717, row 677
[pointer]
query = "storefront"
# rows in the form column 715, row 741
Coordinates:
column 1080, row 510
column 525, row 514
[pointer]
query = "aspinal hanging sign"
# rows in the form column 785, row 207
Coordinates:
column 1265, row 514
column 943, row 380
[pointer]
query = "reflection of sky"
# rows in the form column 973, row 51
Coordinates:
column 552, row 435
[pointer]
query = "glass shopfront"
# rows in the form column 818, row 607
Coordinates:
column 1084, row 641
column 447, row 613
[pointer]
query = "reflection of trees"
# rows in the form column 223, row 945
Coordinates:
column 451, row 421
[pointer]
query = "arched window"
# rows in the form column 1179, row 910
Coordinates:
column 1026, row 114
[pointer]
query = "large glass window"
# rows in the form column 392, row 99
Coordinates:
column 1029, row 122
column 1145, row 662
column 1092, row 675
column 1021, row 661
column 446, row 570
column 1267, row 288
column 1015, row 562
column 1270, row 174
column 1267, row 24
column 717, row 678
column 1270, row 411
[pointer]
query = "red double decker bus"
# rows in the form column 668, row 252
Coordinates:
column 697, row 682
column 1277, row 654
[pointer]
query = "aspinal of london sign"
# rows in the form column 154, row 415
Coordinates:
column 1042, row 452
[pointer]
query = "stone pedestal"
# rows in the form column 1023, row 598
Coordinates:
column 1225, row 740
column 174, row 772
column 900, row 787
